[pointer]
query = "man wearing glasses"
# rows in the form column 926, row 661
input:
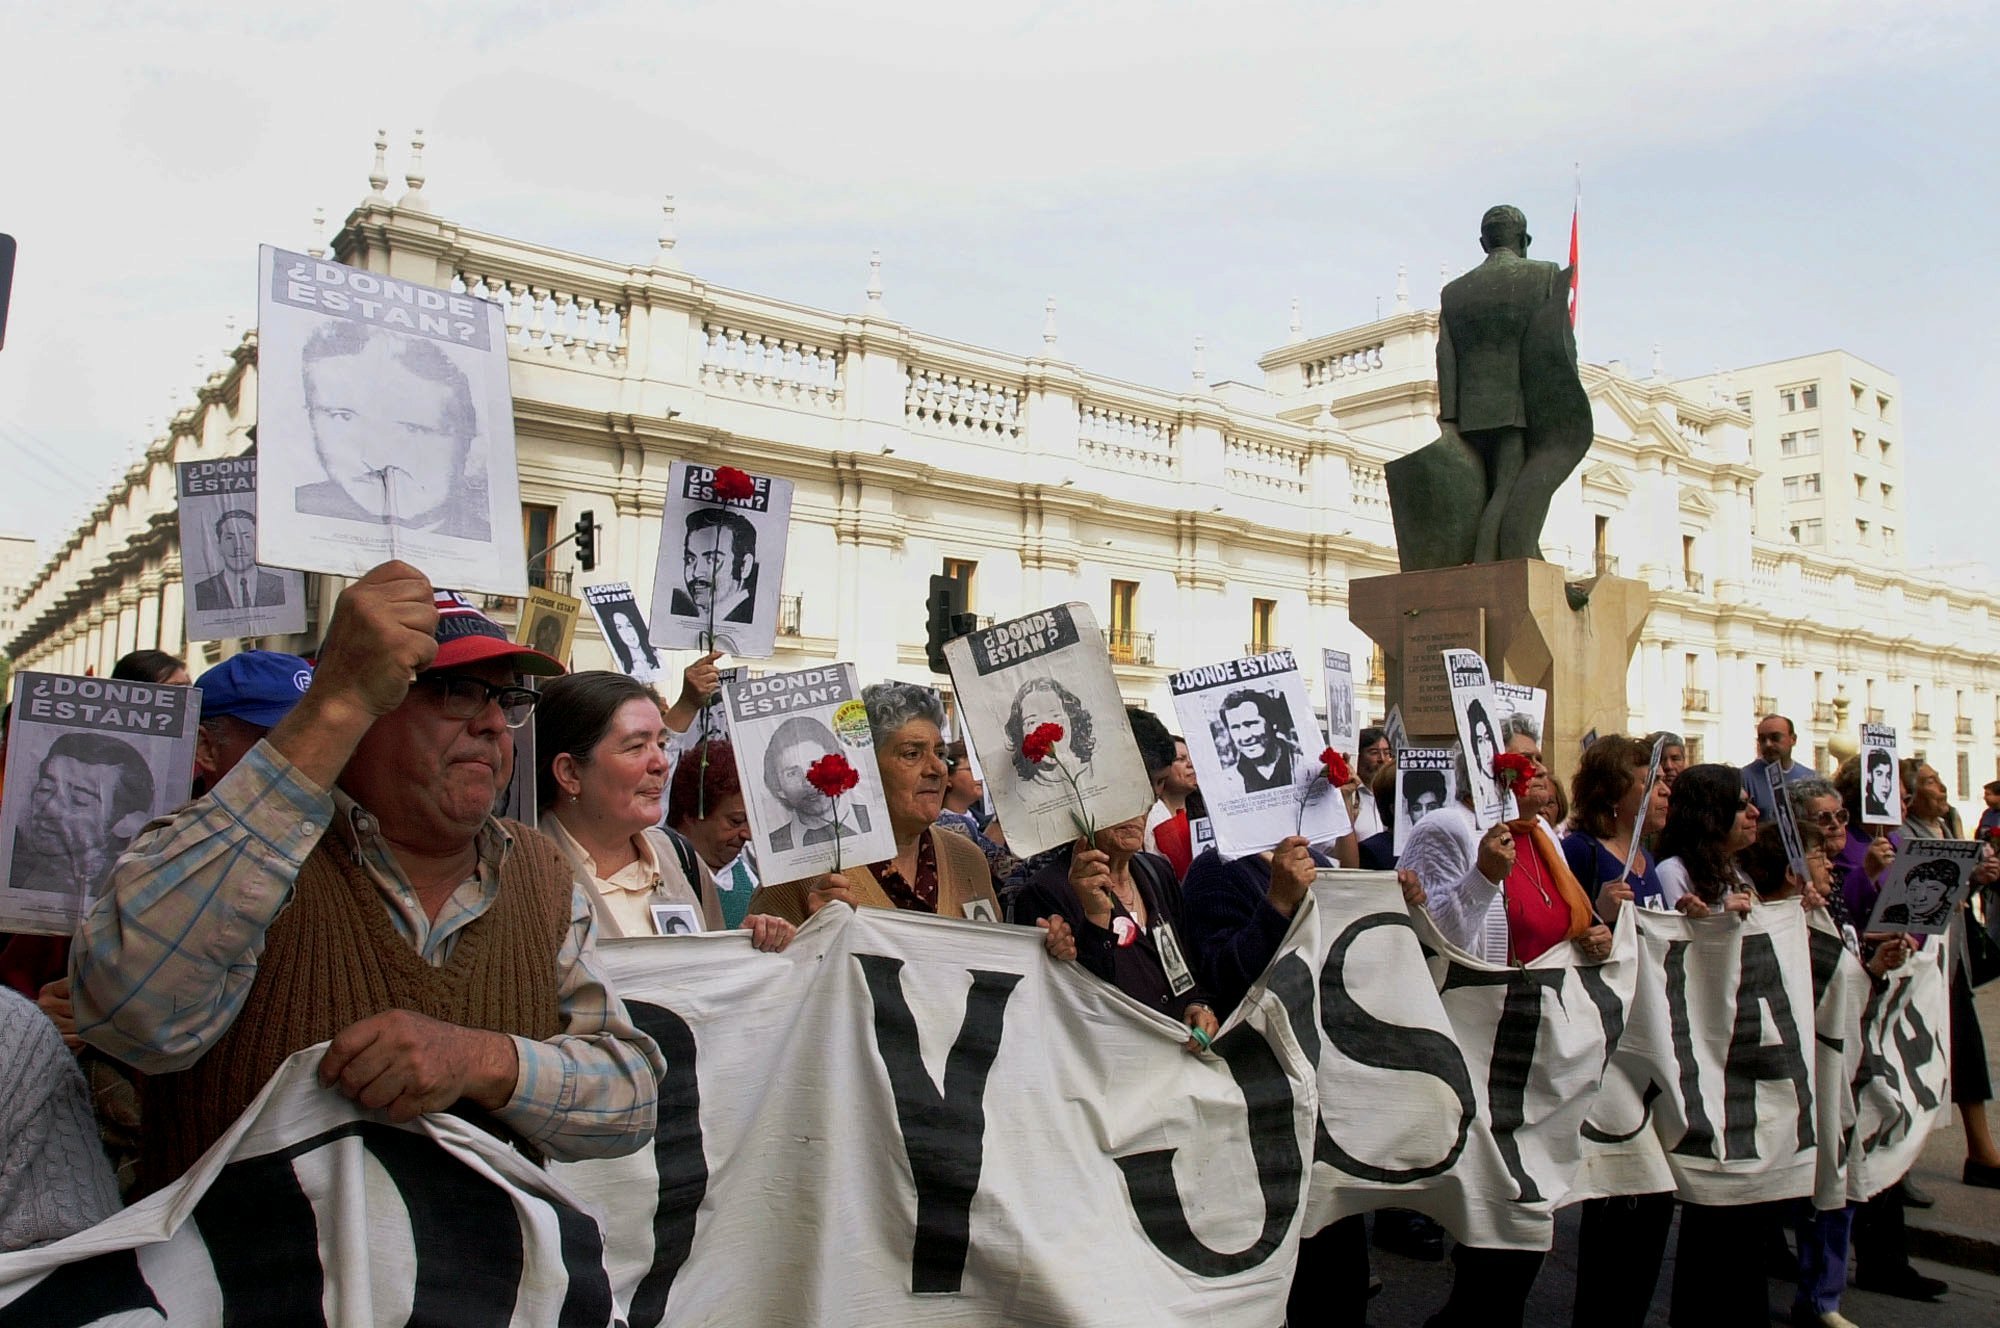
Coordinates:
column 1775, row 739
column 287, row 906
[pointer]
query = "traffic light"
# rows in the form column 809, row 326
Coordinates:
column 586, row 541
column 946, row 602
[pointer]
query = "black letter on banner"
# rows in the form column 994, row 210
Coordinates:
column 1762, row 982
column 677, row 1157
column 1366, row 1040
column 1699, row 1139
column 1826, row 950
column 75, row 1294
column 1274, row 1148
column 1513, row 1055
column 1919, row 1048
column 263, row 1240
column 944, row 1134
column 1611, row 1016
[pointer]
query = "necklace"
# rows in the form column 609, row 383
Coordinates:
column 1531, row 861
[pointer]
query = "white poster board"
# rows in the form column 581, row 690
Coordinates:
column 1474, row 711
column 1925, row 884
column 1426, row 780
column 1511, row 699
column 227, row 593
column 1343, row 729
column 721, row 563
column 89, row 762
column 1255, row 747
column 780, row 725
column 1393, row 730
column 1049, row 667
column 1881, row 777
column 616, row 609
column 385, row 427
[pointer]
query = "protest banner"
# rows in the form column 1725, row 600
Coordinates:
column 1924, row 886
column 385, row 427
column 1343, row 730
column 1881, row 777
column 548, row 623
column 780, row 725
column 90, row 760
column 616, row 609
column 227, row 593
column 721, row 562
column 1426, row 779
column 1473, row 710
column 1256, row 752
column 1049, row 668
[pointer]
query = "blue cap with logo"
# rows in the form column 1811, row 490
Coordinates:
column 257, row 686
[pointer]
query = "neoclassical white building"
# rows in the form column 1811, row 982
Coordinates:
column 1197, row 521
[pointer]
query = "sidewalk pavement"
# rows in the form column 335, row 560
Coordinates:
column 1964, row 1227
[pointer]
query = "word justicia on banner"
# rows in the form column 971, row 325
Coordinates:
column 942, row 1080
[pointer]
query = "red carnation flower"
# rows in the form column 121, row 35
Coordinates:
column 1337, row 773
column 732, row 485
column 832, row 775
column 1040, row 744
column 1511, row 768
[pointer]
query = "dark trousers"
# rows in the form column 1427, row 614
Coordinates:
column 1970, row 1081
column 1881, row 1242
column 1719, row 1279
column 1330, row 1284
column 1620, row 1246
column 1489, row 1288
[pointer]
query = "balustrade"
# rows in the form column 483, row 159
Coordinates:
column 769, row 366
column 545, row 322
column 1263, row 465
column 1345, row 364
column 961, row 405
column 1125, row 439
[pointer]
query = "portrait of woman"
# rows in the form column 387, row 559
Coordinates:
column 1045, row 701
column 627, row 637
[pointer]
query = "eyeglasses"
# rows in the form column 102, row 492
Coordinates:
column 1830, row 819
column 464, row 697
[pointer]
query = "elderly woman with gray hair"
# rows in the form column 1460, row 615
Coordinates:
column 945, row 874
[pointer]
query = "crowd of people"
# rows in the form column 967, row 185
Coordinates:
column 341, row 875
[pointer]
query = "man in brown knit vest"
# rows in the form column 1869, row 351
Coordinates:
column 348, row 883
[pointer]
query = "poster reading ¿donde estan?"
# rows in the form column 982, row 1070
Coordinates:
column 228, row 593
column 385, row 427
column 89, row 761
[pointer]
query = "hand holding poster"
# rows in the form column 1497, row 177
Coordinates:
column 616, row 609
column 91, row 760
column 548, row 623
column 781, row 725
column 1881, row 779
column 1927, row 881
column 1473, row 707
column 228, row 594
column 722, row 556
column 1049, row 668
column 1426, row 780
column 1343, row 733
column 385, row 427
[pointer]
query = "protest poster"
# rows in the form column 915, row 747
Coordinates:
column 1653, row 763
column 616, row 609
column 227, row 593
column 721, row 562
column 1256, row 748
column 1473, row 711
column 780, row 725
column 90, row 760
column 1925, row 885
column 385, row 427
column 548, row 623
column 1426, row 780
column 1881, row 777
column 1773, row 775
column 1393, row 730
column 1530, row 704
column 1049, row 668
column 1343, row 731
column 519, row 800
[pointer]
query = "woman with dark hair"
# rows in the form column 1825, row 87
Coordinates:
column 1605, row 796
column 600, row 771
column 155, row 666
column 1046, row 701
column 1710, row 819
column 705, row 807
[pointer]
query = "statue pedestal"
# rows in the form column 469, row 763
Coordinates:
column 1517, row 615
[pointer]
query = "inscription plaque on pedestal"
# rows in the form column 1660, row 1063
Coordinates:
column 1426, row 696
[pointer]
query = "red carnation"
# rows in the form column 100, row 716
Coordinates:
column 1511, row 768
column 1040, row 744
column 732, row 485
column 832, row 775
column 1337, row 773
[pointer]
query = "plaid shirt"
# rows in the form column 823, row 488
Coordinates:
column 165, row 959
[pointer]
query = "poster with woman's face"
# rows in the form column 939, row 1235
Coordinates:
column 1881, row 779
column 617, row 612
column 1049, row 668
column 1477, row 716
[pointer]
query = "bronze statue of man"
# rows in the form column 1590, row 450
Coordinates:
column 1515, row 421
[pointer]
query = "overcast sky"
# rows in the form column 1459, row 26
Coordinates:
column 1760, row 180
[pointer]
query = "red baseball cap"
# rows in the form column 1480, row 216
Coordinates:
column 467, row 636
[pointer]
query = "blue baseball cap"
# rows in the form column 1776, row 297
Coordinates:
column 257, row 686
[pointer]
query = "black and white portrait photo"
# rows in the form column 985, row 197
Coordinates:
column 386, row 426
column 618, row 618
column 1426, row 780
column 89, row 762
column 720, row 563
column 1256, row 740
column 1925, row 884
column 548, row 623
column 1342, row 731
column 227, row 593
column 1881, row 781
column 788, row 760
column 1478, row 719
column 1049, row 667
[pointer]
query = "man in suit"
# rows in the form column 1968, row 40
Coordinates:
column 241, row 584
column 718, row 567
column 815, row 819
column 1502, row 332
